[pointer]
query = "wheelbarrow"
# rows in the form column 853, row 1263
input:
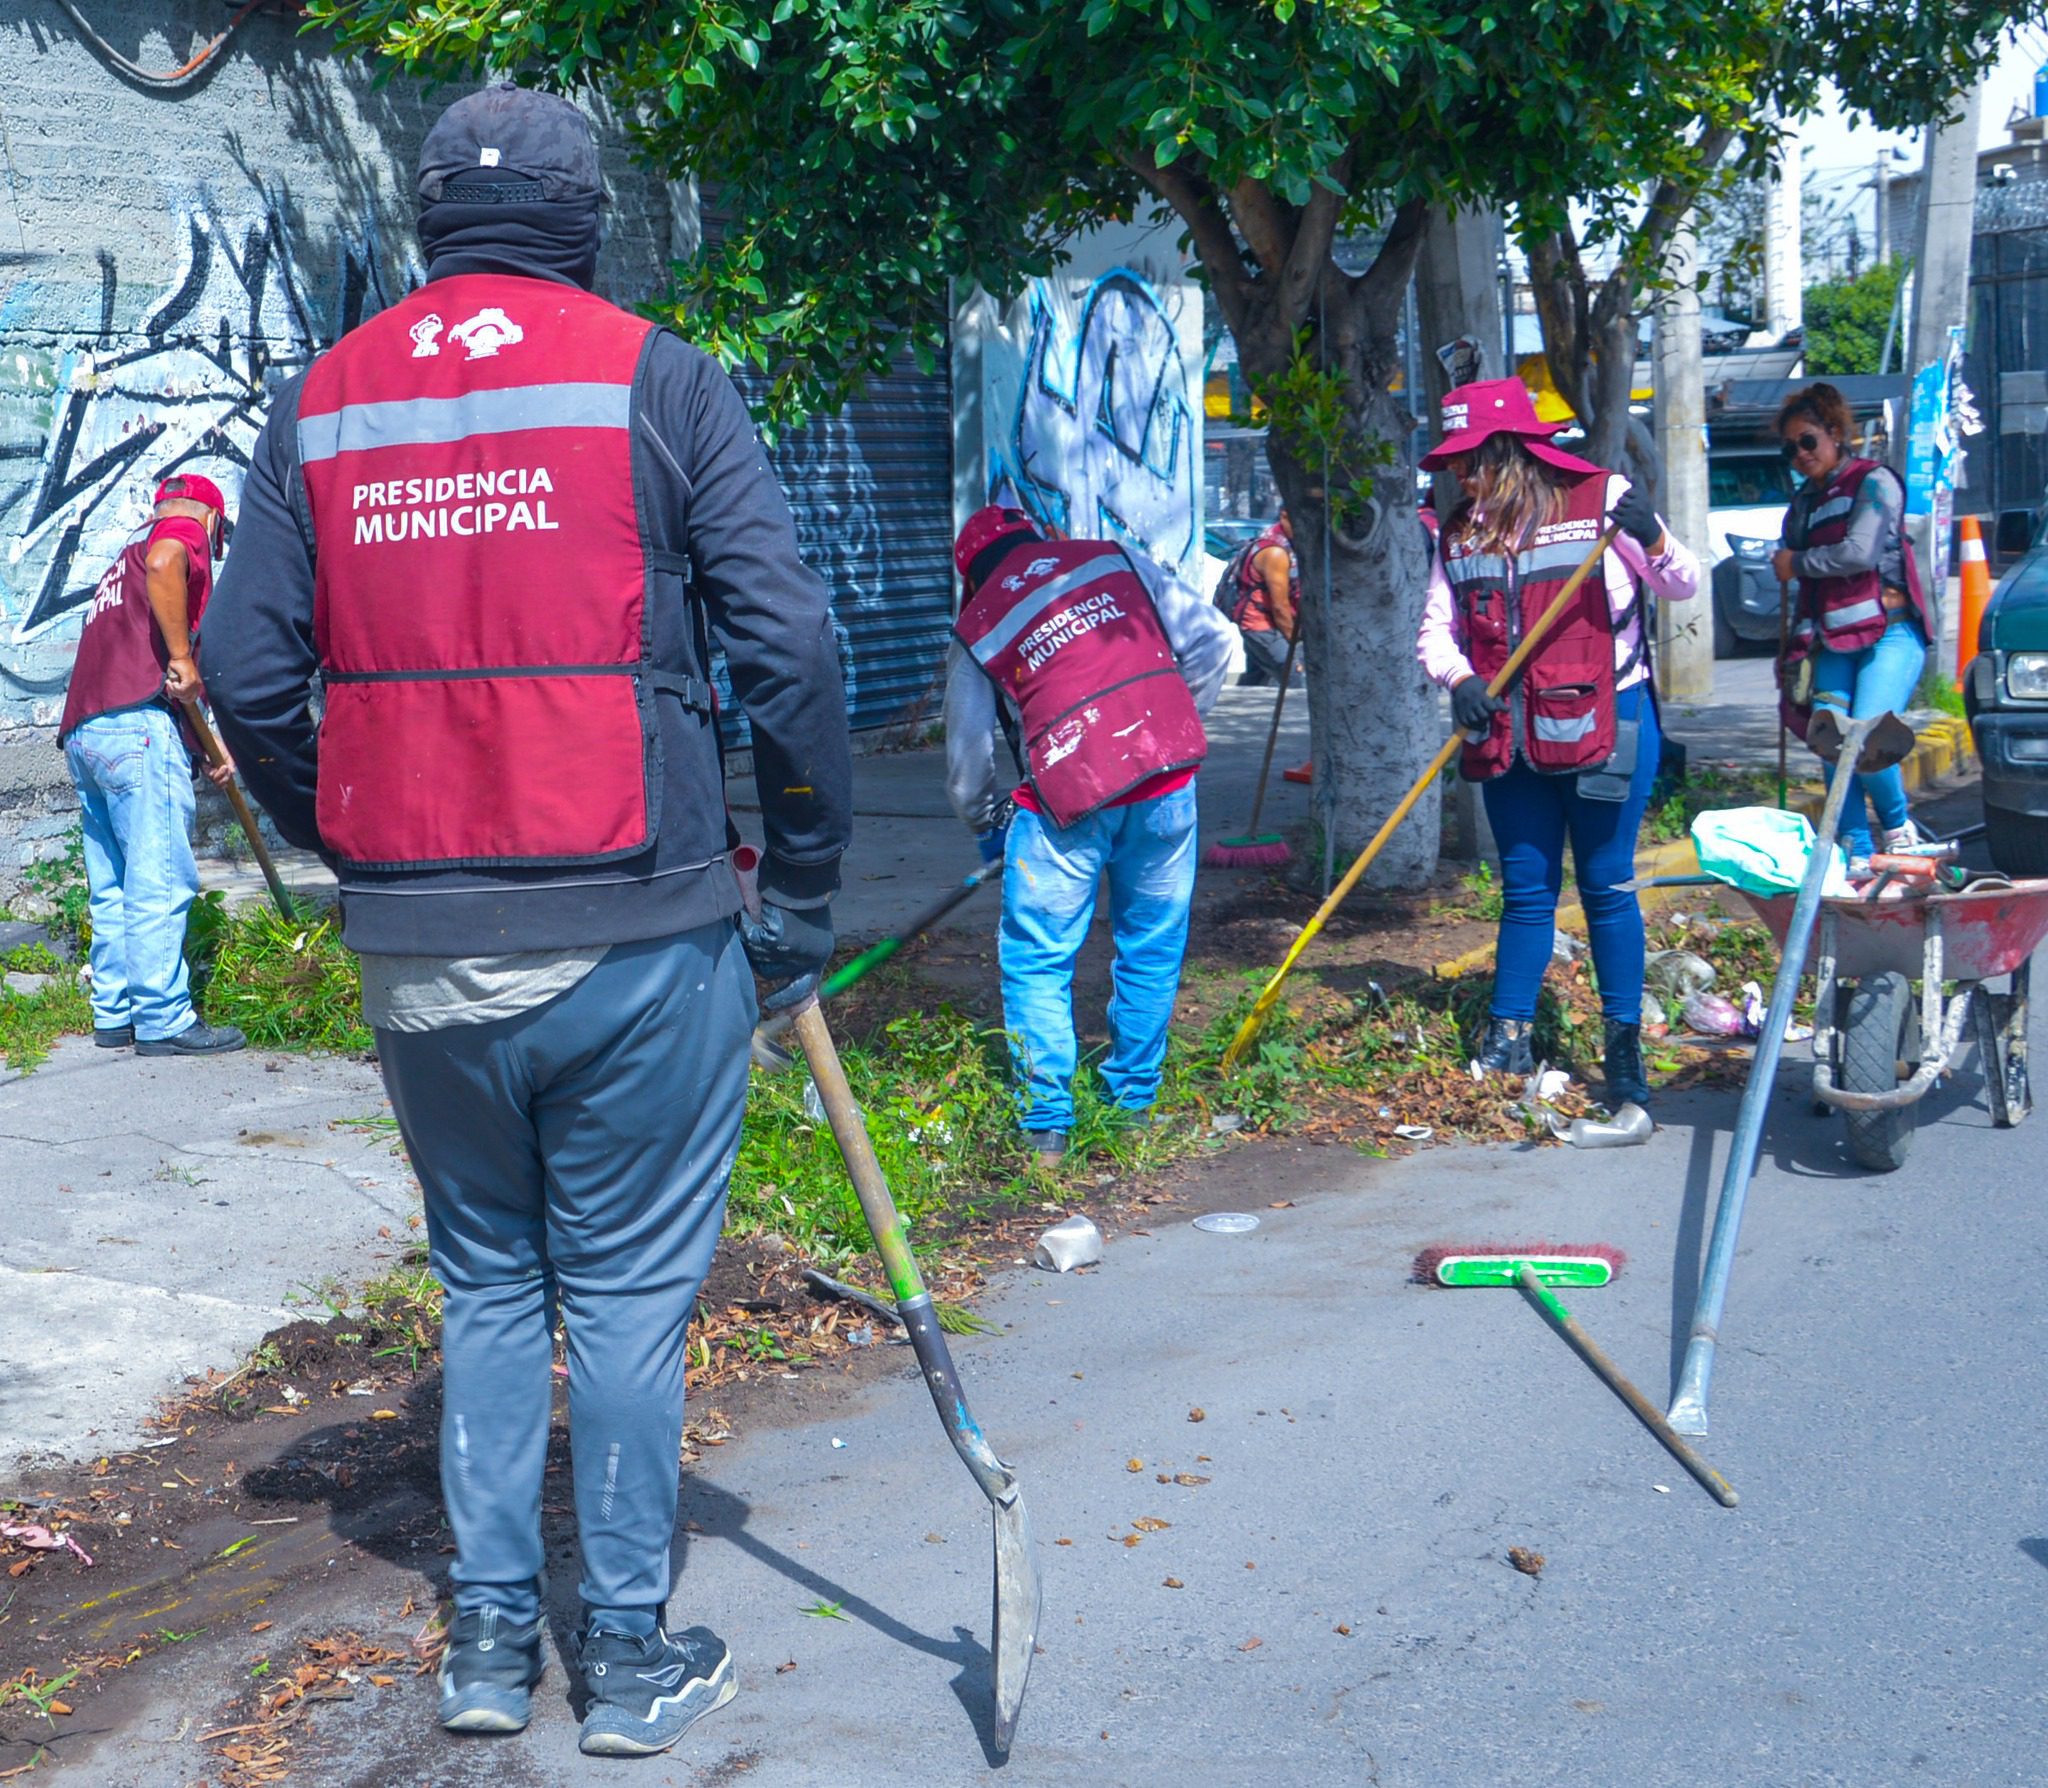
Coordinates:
column 1875, row 1052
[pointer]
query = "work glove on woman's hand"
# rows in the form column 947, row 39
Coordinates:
column 1472, row 707
column 786, row 942
column 1638, row 517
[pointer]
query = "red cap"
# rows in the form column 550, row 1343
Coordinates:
column 194, row 489
column 984, row 528
column 1474, row 413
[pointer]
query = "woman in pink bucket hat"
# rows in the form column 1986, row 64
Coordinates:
column 1570, row 750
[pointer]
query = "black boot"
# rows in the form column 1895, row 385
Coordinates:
column 1622, row 1065
column 1505, row 1049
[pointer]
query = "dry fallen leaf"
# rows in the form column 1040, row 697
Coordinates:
column 1151, row 1524
column 1530, row 1564
column 1252, row 1644
column 1346, row 1631
column 1175, row 1583
column 383, row 1415
column 383, row 1682
column 1190, row 1479
column 1063, row 1541
column 60, row 1707
column 1134, row 1465
column 264, row 1626
column 1134, row 1539
column 785, row 1668
column 1198, row 1414
column 1281, row 1204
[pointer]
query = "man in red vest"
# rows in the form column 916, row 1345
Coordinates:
column 503, row 522
column 132, row 766
column 1098, row 664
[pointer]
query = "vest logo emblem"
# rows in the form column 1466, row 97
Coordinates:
column 424, row 332
column 487, row 332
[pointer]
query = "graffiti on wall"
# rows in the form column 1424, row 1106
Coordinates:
column 92, row 415
column 1101, row 437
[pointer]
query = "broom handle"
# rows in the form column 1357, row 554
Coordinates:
column 240, row 803
column 1646, row 1412
column 1784, row 641
column 1273, row 731
column 1501, row 679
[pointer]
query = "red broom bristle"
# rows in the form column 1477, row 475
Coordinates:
column 1261, row 853
column 1432, row 1257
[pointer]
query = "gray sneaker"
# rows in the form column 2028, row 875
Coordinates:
column 488, row 1673
column 196, row 1039
column 645, row 1693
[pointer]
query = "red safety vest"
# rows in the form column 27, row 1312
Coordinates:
column 1560, row 712
column 482, row 584
column 121, row 655
column 1067, row 631
column 1846, row 613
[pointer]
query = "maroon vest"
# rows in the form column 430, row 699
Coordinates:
column 1846, row 613
column 1561, row 710
column 121, row 655
column 1067, row 631
column 481, row 600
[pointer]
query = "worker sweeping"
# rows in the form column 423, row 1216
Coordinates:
column 131, row 758
column 1099, row 664
column 1569, row 750
column 500, row 521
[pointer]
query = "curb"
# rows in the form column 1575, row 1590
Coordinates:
column 1942, row 748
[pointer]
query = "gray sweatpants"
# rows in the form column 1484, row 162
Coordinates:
column 578, row 1153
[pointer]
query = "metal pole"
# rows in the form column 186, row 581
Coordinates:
column 1689, row 1408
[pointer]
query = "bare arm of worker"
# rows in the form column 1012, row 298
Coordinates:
column 1196, row 628
column 1275, row 567
column 973, row 784
column 1880, row 506
column 166, row 569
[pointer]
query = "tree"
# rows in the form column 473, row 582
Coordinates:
column 1847, row 321
column 872, row 152
column 1898, row 63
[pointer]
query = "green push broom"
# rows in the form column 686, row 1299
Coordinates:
column 1533, row 1270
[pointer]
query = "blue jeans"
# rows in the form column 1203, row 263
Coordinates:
column 1532, row 815
column 1881, row 676
column 135, row 797
column 1050, row 874
column 574, row 1158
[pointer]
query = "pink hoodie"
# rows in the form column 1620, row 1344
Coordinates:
column 1674, row 575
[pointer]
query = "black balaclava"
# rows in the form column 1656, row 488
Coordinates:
column 509, row 181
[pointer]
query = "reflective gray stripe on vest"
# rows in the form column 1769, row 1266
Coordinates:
column 428, row 421
column 1567, row 731
column 1826, row 512
column 1837, row 620
column 1004, row 632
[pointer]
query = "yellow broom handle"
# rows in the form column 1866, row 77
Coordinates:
column 1502, row 678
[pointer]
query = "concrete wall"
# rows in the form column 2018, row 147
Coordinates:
column 166, row 258
column 1082, row 400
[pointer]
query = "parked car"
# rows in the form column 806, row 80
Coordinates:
column 1747, row 490
column 2006, row 695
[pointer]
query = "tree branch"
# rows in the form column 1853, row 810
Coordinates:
column 1315, row 231
column 1194, row 200
column 1386, row 280
column 1265, row 223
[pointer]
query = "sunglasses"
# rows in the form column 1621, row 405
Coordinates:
column 1807, row 443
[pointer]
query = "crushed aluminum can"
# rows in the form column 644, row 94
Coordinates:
column 1065, row 1246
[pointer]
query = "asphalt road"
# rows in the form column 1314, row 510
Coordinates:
column 1870, row 1614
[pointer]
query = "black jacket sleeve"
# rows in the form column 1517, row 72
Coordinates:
column 257, row 652
column 767, row 610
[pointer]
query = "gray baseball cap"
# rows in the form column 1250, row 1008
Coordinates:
column 505, row 131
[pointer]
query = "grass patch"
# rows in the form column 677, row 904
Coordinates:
column 287, row 983
column 31, row 1022
column 1707, row 787
column 1937, row 690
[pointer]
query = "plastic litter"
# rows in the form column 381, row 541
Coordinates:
column 1715, row 1015
column 1653, row 1013
column 1413, row 1132
column 38, row 1538
column 1227, row 1223
column 1065, row 1246
column 1551, row 1082
column 1762, row 850
column 1628, row 1128
column 1226, row 1121
column 1678, row 972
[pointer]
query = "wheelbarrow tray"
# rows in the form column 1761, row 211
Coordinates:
column 1985, row 932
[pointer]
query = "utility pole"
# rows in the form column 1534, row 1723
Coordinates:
column 1941, row 294
column 1685, row 635
column 1880, row 179
column 1784, row 307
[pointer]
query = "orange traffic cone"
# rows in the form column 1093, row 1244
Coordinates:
column 1976, row 593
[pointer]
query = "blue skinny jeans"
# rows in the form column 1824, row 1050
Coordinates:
column 1881, row 676
column 1532, row 817
column 1050, row 875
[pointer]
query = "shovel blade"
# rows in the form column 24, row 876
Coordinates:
column 1019, row 1596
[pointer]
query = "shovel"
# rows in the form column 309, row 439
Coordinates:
column 1018, row 1592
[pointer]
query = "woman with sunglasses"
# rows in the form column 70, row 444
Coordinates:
column 1570, row 750
column 1859, row 622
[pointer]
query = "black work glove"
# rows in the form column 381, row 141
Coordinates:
column 786, row 942
column 1638, row 517
column 1472, row 707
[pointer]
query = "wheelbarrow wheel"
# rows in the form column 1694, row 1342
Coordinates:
column 1876, row 1038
